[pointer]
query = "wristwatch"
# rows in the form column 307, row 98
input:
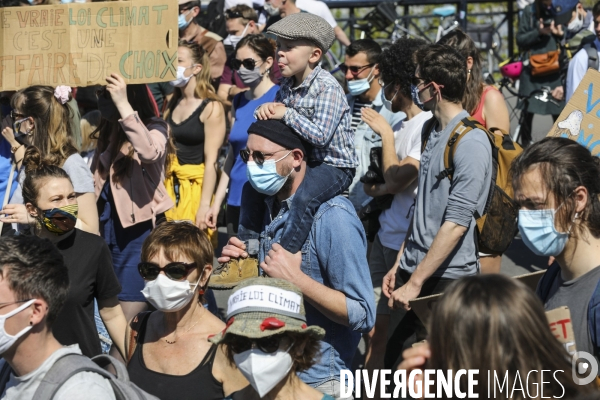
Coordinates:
column 14, row 149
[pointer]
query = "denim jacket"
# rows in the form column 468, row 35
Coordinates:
column 364, row 140
column 334, row 255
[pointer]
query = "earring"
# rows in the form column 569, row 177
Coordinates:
column 469, row 72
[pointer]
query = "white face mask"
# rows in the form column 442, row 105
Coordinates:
column 181, row 79
column 576, row 24
column 264, row 370
column 271, row 10
column 6, row 340
column 233, row 39
column 168, row 295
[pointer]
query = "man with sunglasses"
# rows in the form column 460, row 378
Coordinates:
column 212, row 43
column 331, row 271
column 362, row 80
column 34, row 282
column 441, row 243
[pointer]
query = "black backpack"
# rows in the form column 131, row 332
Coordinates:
column 214, row 19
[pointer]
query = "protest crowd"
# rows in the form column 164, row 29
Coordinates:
column 366, row 212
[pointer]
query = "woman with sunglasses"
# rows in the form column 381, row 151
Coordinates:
column 52, row 203
column 42, row 117
column 132, row 150
column 197, row 120
column 168, row 353
column 484, row 103
column 253, row 61
column 268, row 339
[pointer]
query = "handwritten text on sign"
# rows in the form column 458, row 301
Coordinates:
column 80, row 44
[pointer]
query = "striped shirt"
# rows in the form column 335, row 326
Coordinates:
column 356, row 114
column 318, row 110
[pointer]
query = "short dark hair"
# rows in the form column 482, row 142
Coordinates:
column 368, row 46
column 445, row 66
column 596, row 10
column 397, row 63
column 34, row 268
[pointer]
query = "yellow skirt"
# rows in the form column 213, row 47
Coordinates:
column 190, row 179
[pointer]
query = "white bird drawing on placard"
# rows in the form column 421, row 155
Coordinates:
column 572, row 123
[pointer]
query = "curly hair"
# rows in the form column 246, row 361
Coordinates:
column 445, row 66
column 397, row 64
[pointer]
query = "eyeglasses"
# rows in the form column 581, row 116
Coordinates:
column 233, row 14
column 258, row 156
column 2, row 305
column 354, row 70
column 16, row 115
column 102, row 92
column 186, row 7
column 269, row 344
column 248, row 63
column 175, row 270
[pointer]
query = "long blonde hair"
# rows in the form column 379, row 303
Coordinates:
column 204, row 89
column 53, row 132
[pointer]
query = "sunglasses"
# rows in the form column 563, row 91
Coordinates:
column 176, row 271
column 248, row 63
column 416, row 80
column 15, row 115
column 102, row 92
column 269, row 344
column 233, row 14
column 354, row 70
column 258, row 156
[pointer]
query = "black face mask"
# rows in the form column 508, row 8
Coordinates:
column 108, row 109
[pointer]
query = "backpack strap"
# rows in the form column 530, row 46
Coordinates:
column 592, row 54
column 465, row 126
column 594, row 318
column 546, row 282
column 135, row 325
column 65, row 368
column 4, row 376
column 426, row 132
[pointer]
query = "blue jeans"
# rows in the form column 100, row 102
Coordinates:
column 321, row 182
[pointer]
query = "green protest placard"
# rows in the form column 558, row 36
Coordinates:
column 80, row 44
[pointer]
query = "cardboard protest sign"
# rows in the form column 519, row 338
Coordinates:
column 79, row 44
column 423, row 306
column 580, row 119
column 562, row 327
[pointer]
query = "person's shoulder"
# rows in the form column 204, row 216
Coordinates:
column 73, row 160
column 86, row 385
column 337, row 207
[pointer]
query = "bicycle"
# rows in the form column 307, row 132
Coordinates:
column 515, row 112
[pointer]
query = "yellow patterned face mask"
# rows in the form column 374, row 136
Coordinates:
column 60, row 220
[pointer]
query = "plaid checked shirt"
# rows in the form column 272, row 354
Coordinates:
column 318, row 110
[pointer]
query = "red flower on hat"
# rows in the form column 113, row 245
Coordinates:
column 303, row 326
column 210, row 336
column 271, row 323
column 228, row 324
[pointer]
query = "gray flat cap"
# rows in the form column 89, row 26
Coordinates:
column 304, row 26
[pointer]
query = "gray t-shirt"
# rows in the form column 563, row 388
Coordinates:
column 84, row 385
column 575, row 294
column 441, row 200
column 75, row 167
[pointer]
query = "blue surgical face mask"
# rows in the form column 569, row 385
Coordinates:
column 182, row 21
column 388, row 103
column 264, row 178
column 539, row 233
column 414, row 91
column 359, row 86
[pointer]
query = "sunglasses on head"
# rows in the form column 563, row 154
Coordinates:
column 248, row 63
column 16, row 115
column 233, row 14
column 176, row 271
column 258, row 156
column 269, row 344
column 353, row 70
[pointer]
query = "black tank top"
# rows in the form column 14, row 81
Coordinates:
column 189, row 136
column 198, row 384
